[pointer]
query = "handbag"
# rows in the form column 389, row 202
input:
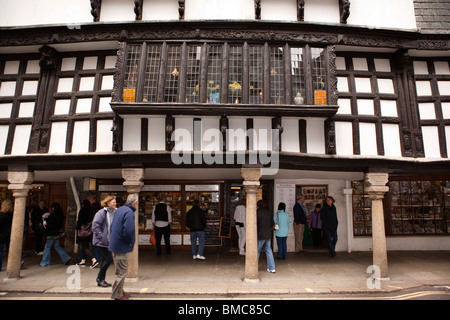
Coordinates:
column 277, row 226
column 85, row 231
column 153, row 238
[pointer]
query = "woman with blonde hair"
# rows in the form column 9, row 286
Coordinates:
column 101, row 229
column 6, row 215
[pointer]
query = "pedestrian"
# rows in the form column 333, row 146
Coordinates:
column 161, row 219
column 196, row 222
column 122, row 241
column 84, row 222
column 282, row 220
column 36, row 225
column 264, row 230
column 239, row 222
column 6, row 215
column 95, row 206
column 328, row 215
column 101, row 229
column 299, row 222
column 315, row 225
column 52, row 227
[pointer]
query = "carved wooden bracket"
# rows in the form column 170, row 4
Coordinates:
column 300, row 10
column 138, row 9
column 96, row 6
column 181, row 5
column 258, row 9
column 344, row 10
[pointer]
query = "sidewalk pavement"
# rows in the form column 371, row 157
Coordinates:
column 222, row 274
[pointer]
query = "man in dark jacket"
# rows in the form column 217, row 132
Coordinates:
column 299, row 222
column 36, row 225
column 196, row 222
column 122, row 241
column 264, row 221
column 328, row 215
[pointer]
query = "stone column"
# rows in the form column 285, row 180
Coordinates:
column 133, row 183
column 375, row 185
column 251, row 183
column 20, row 184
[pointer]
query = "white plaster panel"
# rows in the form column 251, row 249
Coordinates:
column 62, row 106
column 87, row 83
column 444, row 88
column 90, row 63
column 382, row 65
column 33, row 67
column 344, row 138
column 107, row 82
column 340, row 63
column 21, row 139
column 441, row 67
column 26, row 109
column 211, row 135
column 290, row 137
column 58, row 137
column 322, row 11
column 3, row 137
column 360, row 64
column 315, row 136
column 391, row 140
column 368, row 139
column 363, row 85
column 131, row 134
column 420, row 67
column 104, row 104
column 84, row 105
column 445, row 110
column 110, row 62
column 431, row 141
column 342, row 84
column 29, row 88
column 388, row 108
column 423, row 88
column 68, row 64
column 263, row 134
column 385, row 86
column 80, row 143
column 104, row 136
column 7, row 88
column 220, row 9
column 184, row 128
column 365, row 107
column 65, row 84
column 160, row 10
column 11, row 67
column 427, row 111
column 117, row 10
column 447, row 138
column 285, row 10
column 157, row 133
column 5, row 110
column 237, row 125
column 345, row 106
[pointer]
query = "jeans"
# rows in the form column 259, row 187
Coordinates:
column 47, row 252
column 200, row 235
column 107, row 259
column 332, row 240
column 282, row 247
column 266, row 244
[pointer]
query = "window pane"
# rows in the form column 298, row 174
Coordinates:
column 319, row 75
column 256, row 74
column 131, row 74
column 297, row 76
column 172, row 74
column 235, row 75
column 214, row 73
column 276, row 75
column 193, row 74
column 152, row 73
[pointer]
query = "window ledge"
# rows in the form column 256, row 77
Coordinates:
column 141, row 108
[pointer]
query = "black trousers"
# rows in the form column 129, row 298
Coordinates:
column 107, row 259
column 159, row 232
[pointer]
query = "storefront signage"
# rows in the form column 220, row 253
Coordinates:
column 111, row 187
column 161, row 187
column 202, row 187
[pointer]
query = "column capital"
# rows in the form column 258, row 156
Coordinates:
column 251, row 174
column 20, row 182
column 375, row 185
column 133, row 179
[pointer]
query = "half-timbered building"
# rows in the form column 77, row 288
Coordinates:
column 222, row 99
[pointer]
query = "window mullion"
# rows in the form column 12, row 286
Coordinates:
column 203, row 73
column 266, row 81
column 308, row 76
column 183, row 71
column 141, row 74
column 225, row 71
column 245, row 74
column 162, row 72
column 287, row 75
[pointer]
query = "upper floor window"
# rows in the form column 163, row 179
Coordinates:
column 225, row 73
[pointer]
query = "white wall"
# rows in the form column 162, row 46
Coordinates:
column 397, row 14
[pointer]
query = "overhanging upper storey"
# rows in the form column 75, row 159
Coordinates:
column 225, row 78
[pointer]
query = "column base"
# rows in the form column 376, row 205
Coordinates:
column 251, row 280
